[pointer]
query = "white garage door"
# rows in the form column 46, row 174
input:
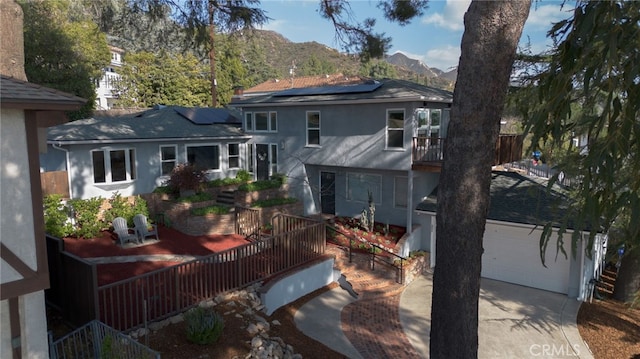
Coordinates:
column 511, row 254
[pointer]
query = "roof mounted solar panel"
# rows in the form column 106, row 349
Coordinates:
column 207, row 116
column 330, row 90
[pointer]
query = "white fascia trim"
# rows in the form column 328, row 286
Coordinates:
column 340, row 102
column 138, row 140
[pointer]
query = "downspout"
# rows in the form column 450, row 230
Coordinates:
column 66, row 165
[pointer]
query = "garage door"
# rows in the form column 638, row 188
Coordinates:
column 511, row 254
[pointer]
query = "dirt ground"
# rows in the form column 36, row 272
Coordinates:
column 610, row 328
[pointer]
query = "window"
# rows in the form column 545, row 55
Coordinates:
column 113, row 165
column 248, row 121
column 261, row 121
column 274, row 158
column 167, row 159
column 204, row 157
column 395, row 128
column 233, row 152
column 434, row 127
column 400, row 190
column 313, row 128
column 359, row 185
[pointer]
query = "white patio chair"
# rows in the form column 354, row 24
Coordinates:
column 143, row 228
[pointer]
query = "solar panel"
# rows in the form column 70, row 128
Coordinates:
column 207, row 116
column 330, row 90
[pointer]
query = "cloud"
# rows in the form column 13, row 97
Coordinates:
column 541, row 17
column 451, row 17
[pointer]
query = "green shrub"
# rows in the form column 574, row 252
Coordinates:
column 203, row 325
column 163, row 190
column 86, row 216
column 56, row 216
column 216, row 209
column 273, row 202
column 121, row 207
column 219, row 182
column 259, row 185
column 200, row 197
column 244, row 176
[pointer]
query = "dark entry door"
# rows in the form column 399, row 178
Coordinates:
column 328, row 192
column 262, row 162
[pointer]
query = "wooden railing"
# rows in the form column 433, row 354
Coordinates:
column 427, row 152
column 378, row 253
column 159, row 294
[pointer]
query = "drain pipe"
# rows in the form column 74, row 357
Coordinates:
column 59, row 147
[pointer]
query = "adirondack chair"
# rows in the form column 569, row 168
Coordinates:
column 123, row 232
column 144, row 229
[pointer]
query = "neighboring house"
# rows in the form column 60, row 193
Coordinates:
column 134, row 153
column 106, row 94
column 520, row 207
column 276, row 85
column 338, row 145
column 25, row 110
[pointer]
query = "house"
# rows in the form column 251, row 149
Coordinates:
column 25, row 111
column 341, row 145
column 106, row 94
column 134, row 153
column 276, row 85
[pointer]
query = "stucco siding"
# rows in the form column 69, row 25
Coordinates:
column 16, row 222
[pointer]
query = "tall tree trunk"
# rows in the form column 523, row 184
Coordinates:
column 212, row 55
column 628, row 281
column 492, row 32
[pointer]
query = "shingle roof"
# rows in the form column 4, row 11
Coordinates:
column 20, row 94
column 517, row 198
column 155, row 124
column 390, row 90
column 303, row 82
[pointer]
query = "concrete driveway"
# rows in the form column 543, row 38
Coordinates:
column 514, row 321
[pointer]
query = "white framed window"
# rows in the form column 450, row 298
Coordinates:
column 434, row 124
column 204, row 157
column 395, row 129
column 233, row 155
column 261, row 121
column 359, row 185
column 114, row 165
column 168, row 159
column 313, row 128
column 400, row 191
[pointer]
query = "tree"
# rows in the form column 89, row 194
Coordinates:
column 148, row 79
column 492, row 32
column 377, row 69
column 63, row 54
column 595, row 66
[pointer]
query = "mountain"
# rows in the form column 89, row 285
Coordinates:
column 401, row 60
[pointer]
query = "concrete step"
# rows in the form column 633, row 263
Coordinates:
column 226, row 198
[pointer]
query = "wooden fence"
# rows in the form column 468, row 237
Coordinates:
column 55, row 182
column 162, row 293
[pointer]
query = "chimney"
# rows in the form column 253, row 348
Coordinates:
column 12, row 43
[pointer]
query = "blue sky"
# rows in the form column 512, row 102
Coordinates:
column 434, row 38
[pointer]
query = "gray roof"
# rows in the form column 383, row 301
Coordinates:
column 517, row 198
column 389, row 90
column 20, row 94
column 165, row 123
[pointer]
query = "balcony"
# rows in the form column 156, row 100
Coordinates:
column 427, row 152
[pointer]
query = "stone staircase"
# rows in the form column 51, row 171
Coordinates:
column 227, row 198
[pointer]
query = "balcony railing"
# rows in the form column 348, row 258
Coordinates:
column 427, row 152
